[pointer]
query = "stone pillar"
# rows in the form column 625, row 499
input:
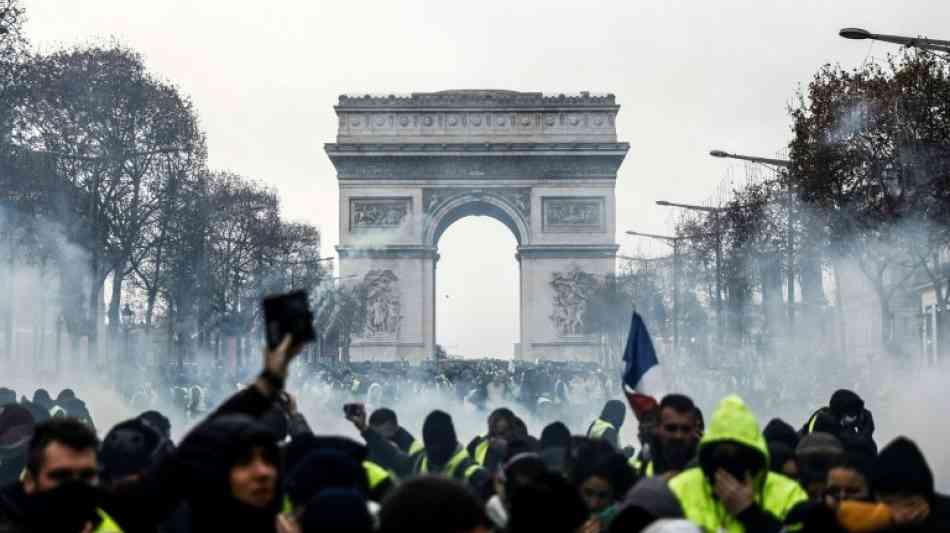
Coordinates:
column 400, row 318
column 554, row 281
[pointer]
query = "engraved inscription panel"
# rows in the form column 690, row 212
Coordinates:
column 378, row 213
column 574, row 214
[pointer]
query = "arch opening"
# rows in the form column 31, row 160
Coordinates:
column 475, row 204
column 477, row 287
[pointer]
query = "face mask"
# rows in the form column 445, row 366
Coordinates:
column 66, row 509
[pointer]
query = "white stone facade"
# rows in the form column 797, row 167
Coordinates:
column 408, row 167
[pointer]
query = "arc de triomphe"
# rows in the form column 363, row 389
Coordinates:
column 410, row 166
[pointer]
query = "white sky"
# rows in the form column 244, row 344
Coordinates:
column 690, row 76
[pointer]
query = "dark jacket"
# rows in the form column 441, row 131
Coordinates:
column 902, row 469
column 404, row 439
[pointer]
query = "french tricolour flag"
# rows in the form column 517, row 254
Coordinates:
column 642, row 377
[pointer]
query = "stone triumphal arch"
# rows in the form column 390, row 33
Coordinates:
column 410, row 166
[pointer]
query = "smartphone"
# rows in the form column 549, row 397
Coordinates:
column 351, row 410
column 288, row 314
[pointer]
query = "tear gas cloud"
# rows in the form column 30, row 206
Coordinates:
column 906, row 395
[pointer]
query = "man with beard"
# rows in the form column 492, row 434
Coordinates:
column 58, row 492
column 675, row 439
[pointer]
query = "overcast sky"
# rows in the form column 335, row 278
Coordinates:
column 689, row 76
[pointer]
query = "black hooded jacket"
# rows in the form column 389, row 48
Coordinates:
column 206, row 457
column 902, row 469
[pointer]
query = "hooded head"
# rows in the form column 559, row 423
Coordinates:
column 337, row 511
column 431, row 503
column 16, row 428
column 66, row 394
column 778, row 430
column 438, row 436
column 301, row 446
column 130, row 448
column 816, row 454
column 7, row 396
column 41, row 398
column 614, row 412
column 733, row 442
column 548, row 504
column 902, row 470
column 322, row 470
column 210, row 452
column 845, row 403
column 501, row 423
column 158, row 421
column 555, row 435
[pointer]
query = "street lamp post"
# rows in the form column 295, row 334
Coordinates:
column 675, row 243
column 715, row 211
column 783, row 164
column 933, row 45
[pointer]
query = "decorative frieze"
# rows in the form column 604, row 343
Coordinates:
column 574, row 214
column 378, row 213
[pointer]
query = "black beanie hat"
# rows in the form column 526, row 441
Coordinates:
column 130, row 448
column 614, row 412
column 438, row 427
column 555, row 435
column 337, row 511
column 902, row 469
column 322, row 470
column 778, row 430
column 158, row 421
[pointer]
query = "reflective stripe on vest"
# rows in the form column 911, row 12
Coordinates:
column 811, row 423
column 375, row 474
column 451, row 469
column 637, row 466
column 415, row 447
column 598, row 428
column 107, row 525
column 481, row 451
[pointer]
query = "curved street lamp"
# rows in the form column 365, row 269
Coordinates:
column 916, row 42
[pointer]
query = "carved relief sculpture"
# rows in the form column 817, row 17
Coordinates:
column 574, row 214
column 572, row 291
column 383, row 312
column 373, row 213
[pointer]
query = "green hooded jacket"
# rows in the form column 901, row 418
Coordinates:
column 775, row 494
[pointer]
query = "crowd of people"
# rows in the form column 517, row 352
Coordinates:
column 254, row 463
column 564, row 390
